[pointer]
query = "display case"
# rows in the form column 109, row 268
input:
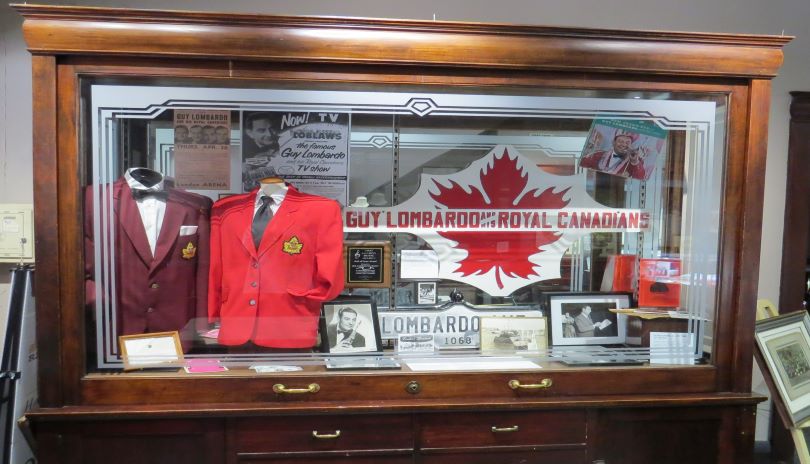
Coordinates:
column 286, row 239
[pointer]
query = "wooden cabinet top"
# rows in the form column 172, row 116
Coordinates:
column 107, row 31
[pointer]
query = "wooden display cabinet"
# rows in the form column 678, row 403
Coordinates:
column 634, row 414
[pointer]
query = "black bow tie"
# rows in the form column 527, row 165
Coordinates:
column 140, row 194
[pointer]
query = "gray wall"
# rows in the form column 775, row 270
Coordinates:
column 735, row 16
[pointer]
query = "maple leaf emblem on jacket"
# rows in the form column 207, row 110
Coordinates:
column 503, row 188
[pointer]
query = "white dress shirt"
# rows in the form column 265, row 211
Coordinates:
column 152, row 209
column 277, row 196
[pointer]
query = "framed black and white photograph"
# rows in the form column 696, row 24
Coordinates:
column 783, row 352
column 513, row 334
column 426, row 293
column 586, row 319
column 350, row 325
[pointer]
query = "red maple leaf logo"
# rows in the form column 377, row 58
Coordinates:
column 506, row 252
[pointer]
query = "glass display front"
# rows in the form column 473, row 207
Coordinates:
column 236, row 231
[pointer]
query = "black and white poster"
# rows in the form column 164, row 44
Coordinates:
column 308, row 149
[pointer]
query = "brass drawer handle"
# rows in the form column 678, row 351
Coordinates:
column 325, row 436
column 513, row 428
column 515, row 385
column 312, row 388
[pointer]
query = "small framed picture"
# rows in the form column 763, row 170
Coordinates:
column 426, row 292
column 150, row 350
column 586, row 319
column 783, row 352
column 513, row 334
column 350, row 325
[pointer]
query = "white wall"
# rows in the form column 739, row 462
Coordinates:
column 733, row 16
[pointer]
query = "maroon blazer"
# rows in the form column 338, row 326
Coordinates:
column 164, row 292
column 273, row 295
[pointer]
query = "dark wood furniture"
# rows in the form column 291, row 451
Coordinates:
column 700, row 414
column 793, row 293
column 796, row 236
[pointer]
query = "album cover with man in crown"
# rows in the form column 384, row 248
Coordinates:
column 626, row 148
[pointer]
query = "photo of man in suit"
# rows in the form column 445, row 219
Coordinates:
column 344, row 334
column 181, row 134
column 585, row 325
column 260, row 138
column 223, row 135
column 259, row 147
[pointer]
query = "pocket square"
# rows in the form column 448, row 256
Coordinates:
column 188, row 230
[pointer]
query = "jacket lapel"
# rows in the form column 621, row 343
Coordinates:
column 173, row 218
column 246, row 218
column 130, row 219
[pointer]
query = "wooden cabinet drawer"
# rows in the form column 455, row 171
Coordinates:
column 332, row 460
column 501, row 429
column 509, row 457
column 285, row 434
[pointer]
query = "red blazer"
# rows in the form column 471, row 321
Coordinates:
column 273, row 295
column 624, row 169
column 161, row 293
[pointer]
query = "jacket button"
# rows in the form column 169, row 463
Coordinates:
column 150, row 310
column 255, row 265
column 254, row 284
column 155, row 285
column 253, row 302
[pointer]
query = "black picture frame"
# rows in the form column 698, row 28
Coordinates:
column 366, row 328
column 564, row 307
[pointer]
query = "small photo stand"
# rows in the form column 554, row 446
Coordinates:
column 586, row 319
column 350, row 325
column 783, row 353
column 159, row 349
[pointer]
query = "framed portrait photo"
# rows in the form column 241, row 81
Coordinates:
column 586, row 319
column 350, row 325
column 783, row 352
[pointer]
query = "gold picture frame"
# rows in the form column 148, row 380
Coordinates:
column 157, row 349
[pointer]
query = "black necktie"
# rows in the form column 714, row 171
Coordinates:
column 140, row 194
column 261, row 219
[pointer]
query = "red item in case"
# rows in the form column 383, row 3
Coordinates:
column 620, row 274
column 659, row 283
